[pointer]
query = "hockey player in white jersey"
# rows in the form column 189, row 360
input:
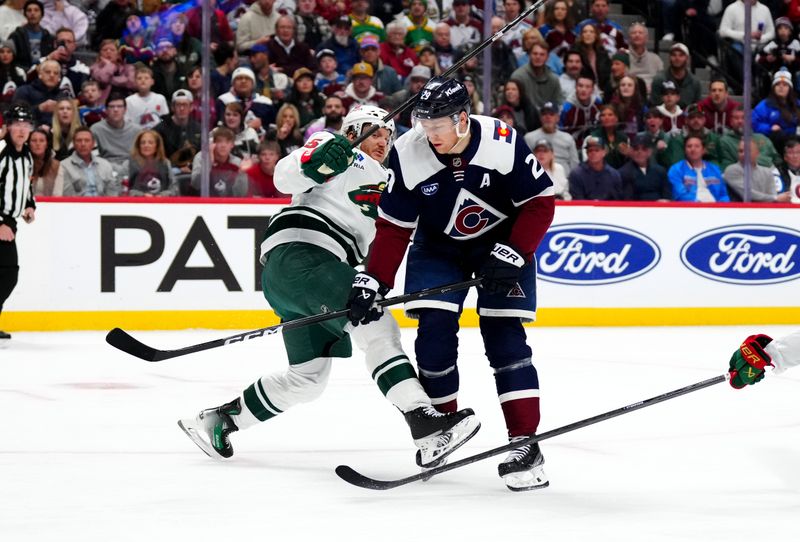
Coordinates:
column 309, row 253
column 760, row 351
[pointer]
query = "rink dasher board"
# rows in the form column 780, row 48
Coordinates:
column 182, row 263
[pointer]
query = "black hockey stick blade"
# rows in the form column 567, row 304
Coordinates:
column 348, row 474
column 122, row 340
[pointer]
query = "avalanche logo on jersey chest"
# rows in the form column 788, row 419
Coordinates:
column 366, row 197
column 471, row 217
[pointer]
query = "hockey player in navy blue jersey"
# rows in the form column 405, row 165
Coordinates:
column 479, row 203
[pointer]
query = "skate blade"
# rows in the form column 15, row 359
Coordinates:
column 196, row 437
column 462, row 432
column 528, row 480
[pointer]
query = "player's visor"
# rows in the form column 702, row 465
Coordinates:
column 434, row 127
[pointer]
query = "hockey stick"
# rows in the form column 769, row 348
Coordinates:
column 453, row 69
column 121, row 340
column 349, row 475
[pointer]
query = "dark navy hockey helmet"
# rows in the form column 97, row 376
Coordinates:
column 441, row 97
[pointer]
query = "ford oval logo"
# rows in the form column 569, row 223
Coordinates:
column 744, row 254
column 588, row 254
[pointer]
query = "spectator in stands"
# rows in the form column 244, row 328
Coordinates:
column 644, row 64
column 653, row 129
column 731, row 28
column 260, row 175
column 677, row 72
column 259, row 111
column 61, row 14
column 729, row 143
column 92, row 107
column 503, row 61
column 561, row 143
column 464, row 28
column 287, row 131
column 343, row 45
column 620, row 64
column 762, row 180
column 226, row 178
column 331, row 120
column 327, row 79
column 513, row 38
column 696, row 19
column 595, row 55
column 194, row 84
column 695, row 126
column 86, row 175
column 333, row 9
column 385, row 79
column 271, row 83
column 220, row 29
column 312, row 28
column 65, row 122
column 305, row 97
column 526, row 117
column 543, row 151
column 11, row 17
column 790, row 170
column 611, row 35
column 227, row 60
column 673, row 117
column 43, row 92
column 361, row 90
column 189, row 49
column 610, row 134
column 694, row 179
column 782, row 51
column 642, row 178
column 538, row 82
column 579, row 116
column 776, row 116
column 133, row 45
column 630, row 106
column 446, row 54
column 416, row 80
column 12, row 76
column 718, row 106
column 150, row 171
column 427, row 58
column 472, row 86
column 47, row 176
column 168, row 74
column 395, row 53
column 145, row 107
column 180, row 133
column 529, row 37
column 110, row 22
column 115, row 134
column 558, row 29
column 110, row 72
column 257, row 25
column 73, row 71
column 594, row 179
column 287, row 53
column 419, row 28
column 364, row 23
column 573, row 66
column 32, row 41
column 246, row 139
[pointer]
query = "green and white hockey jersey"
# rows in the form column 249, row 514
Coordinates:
column 338, row 215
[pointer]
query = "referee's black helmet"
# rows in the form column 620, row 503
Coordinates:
column 18, row 112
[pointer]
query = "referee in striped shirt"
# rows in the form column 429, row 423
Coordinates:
column 16, row 195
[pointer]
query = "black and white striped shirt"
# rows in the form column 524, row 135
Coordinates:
column 16, row 193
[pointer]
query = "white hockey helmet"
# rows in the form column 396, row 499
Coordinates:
column 361, row 115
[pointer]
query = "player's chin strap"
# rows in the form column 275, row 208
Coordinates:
column 460, row 135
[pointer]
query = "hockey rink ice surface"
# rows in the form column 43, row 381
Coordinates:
column 91, row 450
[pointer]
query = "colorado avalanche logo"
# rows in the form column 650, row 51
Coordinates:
column 471, row 217
column 366, row 198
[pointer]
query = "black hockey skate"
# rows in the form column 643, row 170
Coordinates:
column 522, row 469
column 4, row 335
column 210, row 429
column 437, row 434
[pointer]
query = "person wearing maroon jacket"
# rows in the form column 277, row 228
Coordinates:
column 287, row 53
column 395, row 52
column 718, row 107
column 220, row 29
column 260, row 175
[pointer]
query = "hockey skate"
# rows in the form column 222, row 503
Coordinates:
column 437, row 434
column 522, row 469
column 210, row 429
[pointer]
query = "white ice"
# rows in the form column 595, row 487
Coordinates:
column 91, row 451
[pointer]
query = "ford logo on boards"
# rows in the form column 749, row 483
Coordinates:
column 744, row 254
column 589, row 254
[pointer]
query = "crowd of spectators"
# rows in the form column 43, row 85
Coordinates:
column 116, row 88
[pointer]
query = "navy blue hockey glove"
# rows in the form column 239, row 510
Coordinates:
column 361, row 304
column 500, row 272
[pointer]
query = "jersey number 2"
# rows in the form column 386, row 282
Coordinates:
column 536, row 168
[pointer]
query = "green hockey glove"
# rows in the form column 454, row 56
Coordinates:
column 321, row 161
column 748, row 362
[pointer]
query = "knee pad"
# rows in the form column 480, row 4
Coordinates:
column 306, row 381
column 505, row 340
column 436, row 345
column 379, row 340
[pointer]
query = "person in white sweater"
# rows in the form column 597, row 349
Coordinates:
column 145, row 107
column 731, row 27
column 759, row 351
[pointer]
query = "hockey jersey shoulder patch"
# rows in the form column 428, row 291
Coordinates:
column 416, row 159
column 497, row 146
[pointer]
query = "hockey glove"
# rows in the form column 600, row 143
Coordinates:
column 361, row 305
column 501, row 271
column 748, row 362
column 320, row 162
